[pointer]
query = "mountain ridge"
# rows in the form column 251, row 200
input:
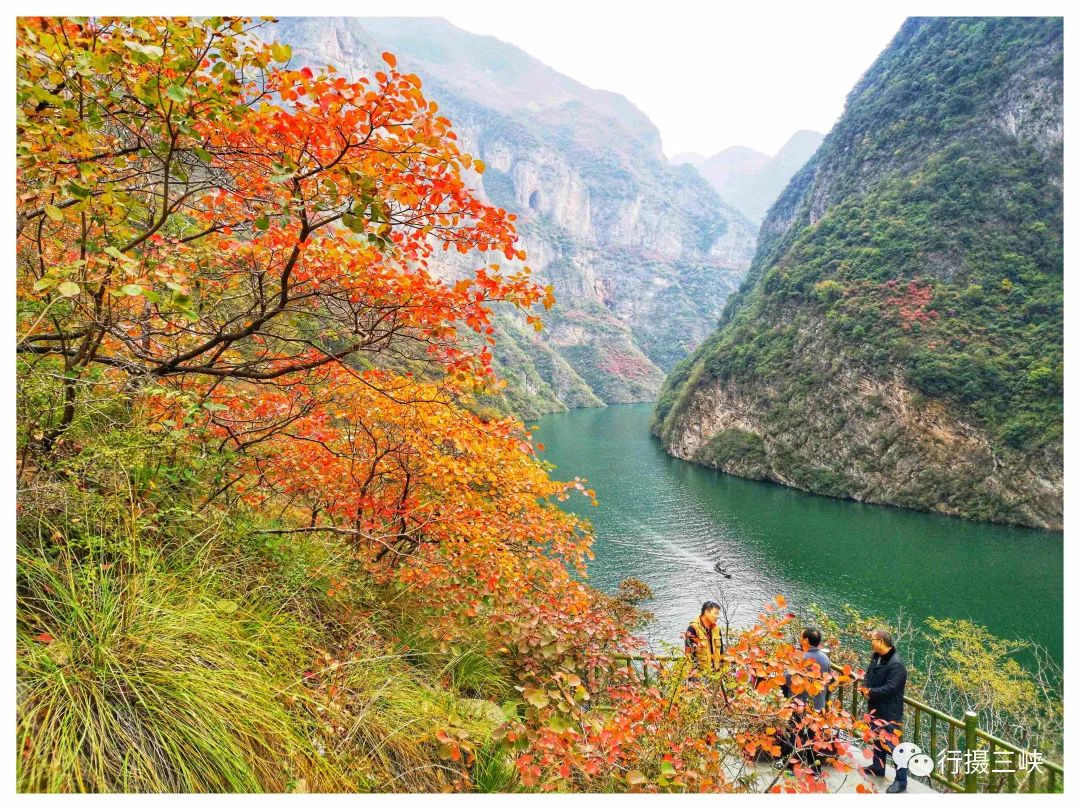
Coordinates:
column 749, row 179
column 898, row 337
column 604, row 218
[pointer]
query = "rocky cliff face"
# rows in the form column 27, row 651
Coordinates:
column 869, row 438
column 898, row 338
column 642, row 255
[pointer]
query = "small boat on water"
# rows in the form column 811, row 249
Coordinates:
column 719, row 568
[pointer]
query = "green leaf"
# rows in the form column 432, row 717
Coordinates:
column 151, row 51
column 226, row 606
column 131, row 289
column 44, row 283
column 203, row 154
column 262, row 223
column 115, row 252
column 537, row 697
column 558, row 724
column 68, row 289
column 280, row 52
column 354, row 224
column 177, row 92
column 54, row 213
column 510, row 709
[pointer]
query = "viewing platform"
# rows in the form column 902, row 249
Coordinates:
column 936, row 733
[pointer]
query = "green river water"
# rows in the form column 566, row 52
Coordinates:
column 668, row 523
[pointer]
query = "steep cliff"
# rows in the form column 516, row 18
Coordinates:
column 642, row 255
column 899, row 337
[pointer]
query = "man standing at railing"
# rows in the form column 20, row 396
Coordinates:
column 885, row 680
column 704, row 644
column 811, row 638
column 811, row 644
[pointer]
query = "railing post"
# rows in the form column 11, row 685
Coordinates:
column 971, row 742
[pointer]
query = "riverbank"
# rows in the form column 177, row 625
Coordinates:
column 669, row 523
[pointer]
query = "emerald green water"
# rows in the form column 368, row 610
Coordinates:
column 668, row 523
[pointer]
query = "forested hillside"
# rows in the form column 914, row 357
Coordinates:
column 899, row 336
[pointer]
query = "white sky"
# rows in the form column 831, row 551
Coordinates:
column 709, row 74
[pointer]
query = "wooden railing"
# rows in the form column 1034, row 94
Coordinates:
column 937, row 734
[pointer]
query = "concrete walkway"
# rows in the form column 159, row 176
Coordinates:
column 847, row 781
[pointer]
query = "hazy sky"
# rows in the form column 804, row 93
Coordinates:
column 709, row 75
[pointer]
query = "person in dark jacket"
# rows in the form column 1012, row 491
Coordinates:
column 884, row 683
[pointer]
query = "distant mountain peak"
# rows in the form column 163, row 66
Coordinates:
column 693, row 158
column 805, row 134
column 740, row 152
column 803, row 143
column 749, row 180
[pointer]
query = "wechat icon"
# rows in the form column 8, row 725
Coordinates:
column 909, row 755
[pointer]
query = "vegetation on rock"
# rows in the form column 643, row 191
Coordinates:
column 641, row 255
column 921, row 249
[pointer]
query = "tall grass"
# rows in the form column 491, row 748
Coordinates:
column 209, row 667
column 137, row 679
column 164, row 645
column 494, row 770
column 388, row 714
column 476, row 674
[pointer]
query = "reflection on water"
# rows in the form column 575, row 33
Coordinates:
column 669, row 523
